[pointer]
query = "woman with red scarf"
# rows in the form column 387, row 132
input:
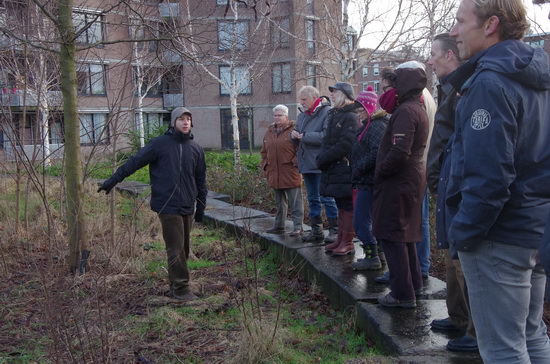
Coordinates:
column 400, row 183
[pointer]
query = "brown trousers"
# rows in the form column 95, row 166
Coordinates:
column 176, row 231
column 456, row 298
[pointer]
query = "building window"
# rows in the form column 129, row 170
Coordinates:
column 232, row 35
column 240, row 80
column 246, row 128
column 311, row 75
column 140, row 30
column 281, row 78
column 92, row 129
column 365, row 71
column 310, row 34
column 91, row 79
column 374, row 84
column 88, row 27
column 309, row 4
column 149, row 80
column 280, row 33
column 376, row 69
column 57, row 132
column 153, row 124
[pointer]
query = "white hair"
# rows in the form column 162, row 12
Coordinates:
column 412, row 64
column 281, row 108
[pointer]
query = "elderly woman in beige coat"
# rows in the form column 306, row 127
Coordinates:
column 280, row 166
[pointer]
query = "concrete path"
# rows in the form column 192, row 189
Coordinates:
column 402, row 332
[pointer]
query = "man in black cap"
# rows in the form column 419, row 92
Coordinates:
column 177, row 171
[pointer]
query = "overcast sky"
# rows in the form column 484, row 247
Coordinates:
column 537, row 13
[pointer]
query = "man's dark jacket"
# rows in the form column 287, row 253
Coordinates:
column 444, row 127
column 500, row 159
column 177, row 170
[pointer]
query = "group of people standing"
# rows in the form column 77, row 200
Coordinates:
column 487, row 165
column 366, row 165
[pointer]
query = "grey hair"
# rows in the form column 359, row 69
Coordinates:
column 281, row 108
column 310, row 91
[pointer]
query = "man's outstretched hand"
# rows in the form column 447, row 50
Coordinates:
column 106, row 186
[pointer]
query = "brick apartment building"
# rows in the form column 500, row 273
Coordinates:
column 137, row 73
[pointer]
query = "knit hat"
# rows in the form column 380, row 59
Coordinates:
column 367, row 100
column 179, row 111
column 344, row 87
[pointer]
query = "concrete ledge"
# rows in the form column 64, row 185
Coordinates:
column 403, row 332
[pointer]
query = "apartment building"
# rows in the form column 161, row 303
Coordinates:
column 140, row 59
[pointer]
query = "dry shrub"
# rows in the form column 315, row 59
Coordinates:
column 260, row 342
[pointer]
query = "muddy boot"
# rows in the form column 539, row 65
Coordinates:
column 345, row 234
column 371, row 261
column 332, row 230
column 316, row 234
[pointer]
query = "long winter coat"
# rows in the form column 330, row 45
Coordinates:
column 399, row 179
column 335, row 154
column 312, row 126
column 279, row 161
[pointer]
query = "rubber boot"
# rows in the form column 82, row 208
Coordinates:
column 371, row 261
column 332, row 230
column 330, row 247
column 345, row 234
column 316, row 233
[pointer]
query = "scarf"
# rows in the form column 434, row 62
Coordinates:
column 389, row 100
column 364, row 130
column 310, row 111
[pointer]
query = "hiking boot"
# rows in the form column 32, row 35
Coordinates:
column 316, row 234
column 275, row 230
column 186, row 297
column 367, row 264
column 371, row 260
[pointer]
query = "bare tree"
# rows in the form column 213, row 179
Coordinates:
column 241, row 53
column 398, row 25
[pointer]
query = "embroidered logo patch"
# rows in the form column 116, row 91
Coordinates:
column 480, row 119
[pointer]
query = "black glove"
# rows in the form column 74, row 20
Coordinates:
column 199, row 214
column 107, row 186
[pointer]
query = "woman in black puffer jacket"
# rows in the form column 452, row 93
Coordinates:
column 334, row 162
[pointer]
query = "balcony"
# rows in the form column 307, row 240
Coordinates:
column 171, row 101
column 17, row 98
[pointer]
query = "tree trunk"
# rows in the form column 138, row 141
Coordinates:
column 75, row 213
column 236, row 136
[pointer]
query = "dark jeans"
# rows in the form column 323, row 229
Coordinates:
column 176, row 231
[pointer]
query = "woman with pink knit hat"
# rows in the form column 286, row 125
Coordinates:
column 363, row 161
